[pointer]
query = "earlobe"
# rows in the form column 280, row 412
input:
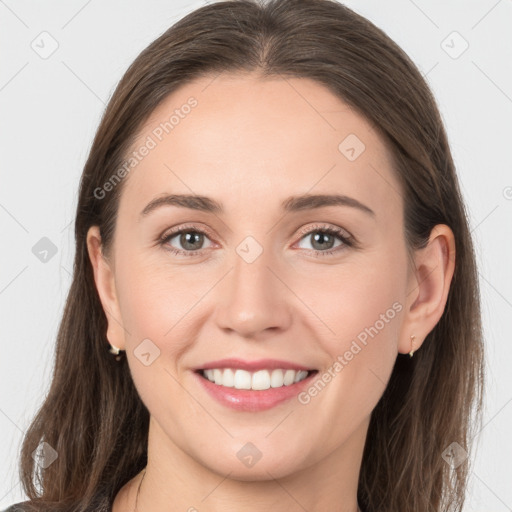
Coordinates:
column 428, row 287
column 105, row 285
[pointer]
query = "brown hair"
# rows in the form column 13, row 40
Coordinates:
column 93, row 416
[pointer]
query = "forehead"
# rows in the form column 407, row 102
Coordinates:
column 243, row 140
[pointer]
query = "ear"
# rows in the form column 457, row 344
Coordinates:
column 105, row 284
column 428, row 287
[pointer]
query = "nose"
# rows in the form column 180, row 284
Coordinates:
column 253, row 299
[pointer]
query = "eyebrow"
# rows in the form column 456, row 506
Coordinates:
column 291, row 204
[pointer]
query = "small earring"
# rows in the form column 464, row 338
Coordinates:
column 116, row 351
column 412, row 343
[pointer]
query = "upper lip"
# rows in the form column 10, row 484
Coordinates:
column 251, row 366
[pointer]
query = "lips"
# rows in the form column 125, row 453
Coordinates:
column 252, row 400
column 253, row 386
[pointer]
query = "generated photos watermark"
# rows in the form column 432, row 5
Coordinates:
column 342, row 360
column 151, row 142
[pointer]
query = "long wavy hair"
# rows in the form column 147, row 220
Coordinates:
column 93, row 416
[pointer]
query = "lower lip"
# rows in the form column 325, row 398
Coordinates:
column 251, row 400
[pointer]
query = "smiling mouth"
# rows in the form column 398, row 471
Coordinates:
column 257, row 381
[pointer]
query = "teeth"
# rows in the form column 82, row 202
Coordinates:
column 260, row 380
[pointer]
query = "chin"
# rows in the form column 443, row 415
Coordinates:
column 250, row 464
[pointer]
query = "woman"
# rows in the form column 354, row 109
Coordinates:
column 212, row 355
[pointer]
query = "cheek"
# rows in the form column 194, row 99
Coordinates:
column 155, row 307
column 145, row 300
column 155, row 302
column 361, row 308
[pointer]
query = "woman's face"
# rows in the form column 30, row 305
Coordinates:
column 258, row 277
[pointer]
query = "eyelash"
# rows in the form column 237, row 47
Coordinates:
column 348, row 241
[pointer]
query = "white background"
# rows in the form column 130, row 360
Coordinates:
column 50, row 109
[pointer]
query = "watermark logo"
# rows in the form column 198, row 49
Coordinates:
column 147, row 352
column 249, row 249
column 44, row 250
column 454, row 455
column 45, row 45
column 249, row 454
column 454, row 45
column 351, row 147
column 44, row 455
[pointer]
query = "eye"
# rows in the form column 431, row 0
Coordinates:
column 191, row 240
column 323, row 239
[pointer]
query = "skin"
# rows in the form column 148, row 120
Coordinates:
column 250, row 144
